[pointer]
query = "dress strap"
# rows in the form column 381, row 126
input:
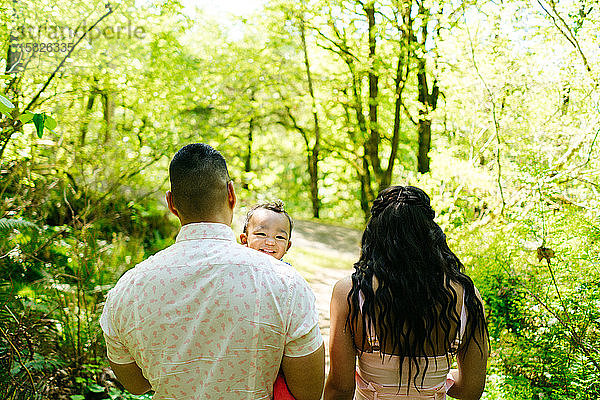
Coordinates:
column 463, row 318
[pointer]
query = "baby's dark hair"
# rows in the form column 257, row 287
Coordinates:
column 276, row 206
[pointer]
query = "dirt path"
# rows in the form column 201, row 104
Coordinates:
column 335, row 249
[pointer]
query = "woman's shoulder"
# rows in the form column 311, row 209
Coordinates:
column 343, row 286
column 461, row 290
column 341, row 290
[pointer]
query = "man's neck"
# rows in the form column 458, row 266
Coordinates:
column 216, row 219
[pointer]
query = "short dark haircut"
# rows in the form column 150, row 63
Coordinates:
column 276, row 206
column 199, row 179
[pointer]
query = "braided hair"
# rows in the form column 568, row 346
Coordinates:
column 406, row 251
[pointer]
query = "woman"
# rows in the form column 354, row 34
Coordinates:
column 406, row 311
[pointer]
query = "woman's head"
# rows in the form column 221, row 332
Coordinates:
column 402, row 235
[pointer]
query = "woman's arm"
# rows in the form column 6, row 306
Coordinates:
column 472, row 362
column 340, row 382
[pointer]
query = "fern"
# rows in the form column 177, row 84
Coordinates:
column 6, row 225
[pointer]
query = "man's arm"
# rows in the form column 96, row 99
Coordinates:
column 303, row 362
column 131, row 377
column 305, row 375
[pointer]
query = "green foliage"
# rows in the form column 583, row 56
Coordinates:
column 5, row 105
column 8, row 224
column 39, row 120
column 543, row 314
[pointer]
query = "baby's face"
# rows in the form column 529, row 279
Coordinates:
column 269, row 232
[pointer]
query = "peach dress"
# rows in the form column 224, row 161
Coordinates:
column 377, row 377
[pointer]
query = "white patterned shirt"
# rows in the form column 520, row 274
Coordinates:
column 207, row 318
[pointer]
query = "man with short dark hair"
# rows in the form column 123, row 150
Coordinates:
column 207, row 318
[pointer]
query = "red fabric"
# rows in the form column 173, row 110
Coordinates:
column 280, row 389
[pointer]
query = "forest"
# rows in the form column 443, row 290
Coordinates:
column 492, row 107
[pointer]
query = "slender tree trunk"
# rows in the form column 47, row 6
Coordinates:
column 373, row 141
column 313, row 154
column 399, row 81
column 248, row 159
column 13, row 56
column 86, row 117
column 428, row 102
column 108, row 110
column 365, row 188
column 424, row 145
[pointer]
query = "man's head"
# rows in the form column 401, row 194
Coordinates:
column 201, row 190
column 268, row 228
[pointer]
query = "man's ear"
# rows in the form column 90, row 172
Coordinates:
column 244, row 239
column 170, row 205
column 231, row 198
column 289, row 245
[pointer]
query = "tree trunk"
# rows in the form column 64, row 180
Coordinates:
column 428, row 101
column 366, row 186
column 365, row 189
column 108, row 110
column 400, row 80
column 13, row 56
column 248, row 159
column 313, row 154
column 86, row 117
column 424, row 145
column 373, row 141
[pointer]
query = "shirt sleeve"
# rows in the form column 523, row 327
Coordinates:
column 115, row 349
column 303, row 336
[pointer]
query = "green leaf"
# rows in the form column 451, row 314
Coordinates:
column 77, row 397
column 38, row 121
column 26, row 117
column 50, row 122
column 8, row 224
column 5, row 105
column 5, row 76
column 95, row 388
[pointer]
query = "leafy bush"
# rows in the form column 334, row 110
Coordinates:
column 55, row 278
column 542, row 301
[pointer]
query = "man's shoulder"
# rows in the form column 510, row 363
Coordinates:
column 264, row 262
column 227, row 255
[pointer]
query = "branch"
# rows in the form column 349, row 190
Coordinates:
column 32, row 102
column 496, row 125
column 574, row 336
column 297, row 127
column 414, row 121
column 18, row 353
column 589, row 156
column 345, row 157
column 568, row 34
column 343, row 50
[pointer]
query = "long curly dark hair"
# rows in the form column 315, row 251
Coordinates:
column 406, row 251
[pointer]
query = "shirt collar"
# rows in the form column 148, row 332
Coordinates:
column 205, row 230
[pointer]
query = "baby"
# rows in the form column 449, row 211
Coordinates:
column 268, row 228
